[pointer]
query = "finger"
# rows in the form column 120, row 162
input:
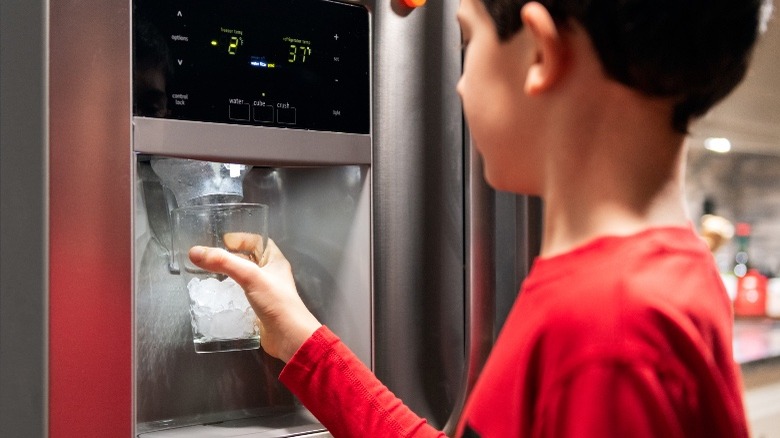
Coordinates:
column 240, row 241
column 248, row 244
column 243, row 271
column 273, row 253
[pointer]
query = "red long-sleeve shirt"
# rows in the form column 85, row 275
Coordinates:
column 624, row 336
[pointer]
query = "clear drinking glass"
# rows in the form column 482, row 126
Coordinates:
column 222, row 319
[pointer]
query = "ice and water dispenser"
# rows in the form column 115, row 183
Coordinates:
column 256, row 102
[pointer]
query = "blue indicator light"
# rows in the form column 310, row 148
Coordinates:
column 257, row 61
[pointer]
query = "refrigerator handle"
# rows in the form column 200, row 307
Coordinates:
column 480, row 288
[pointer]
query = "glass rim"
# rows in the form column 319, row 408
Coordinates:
column 220, row 207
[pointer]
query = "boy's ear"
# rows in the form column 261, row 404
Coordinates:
column 550, row 49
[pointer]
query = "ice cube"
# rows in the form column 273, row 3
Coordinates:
column 220, row 309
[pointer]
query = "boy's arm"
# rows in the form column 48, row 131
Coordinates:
column 344, row 394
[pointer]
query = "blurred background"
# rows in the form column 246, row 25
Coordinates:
column 733, row 173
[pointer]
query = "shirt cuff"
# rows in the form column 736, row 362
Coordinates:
column 312, row 351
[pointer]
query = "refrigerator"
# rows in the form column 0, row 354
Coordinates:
column 446, row 253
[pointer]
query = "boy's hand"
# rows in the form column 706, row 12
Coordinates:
column 285, row 322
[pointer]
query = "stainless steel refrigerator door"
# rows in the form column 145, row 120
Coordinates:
column 23, row 218
column 450, row 252
column 419, row 205
column 90, row 239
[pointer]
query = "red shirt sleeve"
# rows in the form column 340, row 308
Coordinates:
column 344, row 394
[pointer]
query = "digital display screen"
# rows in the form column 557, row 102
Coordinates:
column 300, row 64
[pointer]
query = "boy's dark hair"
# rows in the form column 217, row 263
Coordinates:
column 695, row 51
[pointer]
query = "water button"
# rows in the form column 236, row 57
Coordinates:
column 286, row 116
column 239, row 111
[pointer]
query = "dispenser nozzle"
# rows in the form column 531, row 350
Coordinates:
column 194, row 182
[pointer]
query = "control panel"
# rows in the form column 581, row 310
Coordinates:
column 300, row 64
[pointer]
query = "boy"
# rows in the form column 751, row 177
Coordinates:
column 623, row 327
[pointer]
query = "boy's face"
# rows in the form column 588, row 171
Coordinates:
column 492, row 90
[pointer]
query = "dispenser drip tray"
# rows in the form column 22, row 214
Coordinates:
column 299, row 423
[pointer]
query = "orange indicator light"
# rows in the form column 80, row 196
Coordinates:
column 413, row 3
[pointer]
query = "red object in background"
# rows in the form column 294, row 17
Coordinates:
column 751, row 295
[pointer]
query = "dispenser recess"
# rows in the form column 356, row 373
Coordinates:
column 223, row 86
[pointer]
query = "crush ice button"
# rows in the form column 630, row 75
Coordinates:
column 286, row 116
